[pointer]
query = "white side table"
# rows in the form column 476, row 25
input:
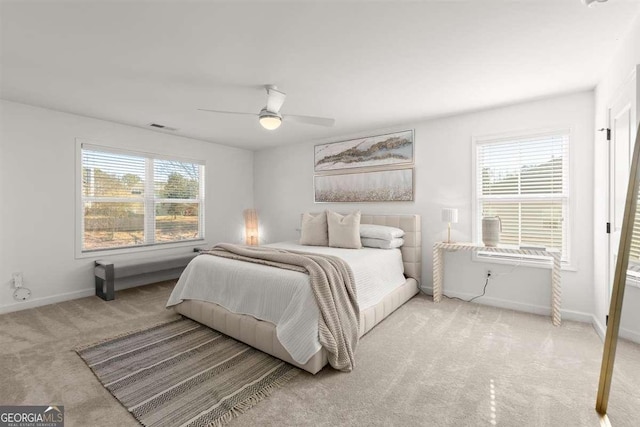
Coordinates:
column 438, row 269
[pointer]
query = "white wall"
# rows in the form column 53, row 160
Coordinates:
column 623, row 64
column 284, row 188
column 38, row 201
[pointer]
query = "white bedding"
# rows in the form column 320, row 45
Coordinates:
column 284, row 297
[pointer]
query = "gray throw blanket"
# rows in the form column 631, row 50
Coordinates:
column 333, row 287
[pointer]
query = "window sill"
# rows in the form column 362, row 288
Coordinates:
column 103, row 253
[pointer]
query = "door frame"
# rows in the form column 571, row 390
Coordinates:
column 628, row 88
column 615, row 293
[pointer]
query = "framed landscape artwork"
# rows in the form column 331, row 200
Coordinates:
column 383, row 150
column 378, row 186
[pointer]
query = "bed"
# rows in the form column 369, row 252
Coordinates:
column 285, row 329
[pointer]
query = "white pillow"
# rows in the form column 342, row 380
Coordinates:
column 380, row 232
column 314, row 230
column 381, row 243
column 344, row 231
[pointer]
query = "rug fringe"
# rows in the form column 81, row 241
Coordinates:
column 242, row 407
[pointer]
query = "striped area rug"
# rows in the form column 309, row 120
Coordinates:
column 182, row 373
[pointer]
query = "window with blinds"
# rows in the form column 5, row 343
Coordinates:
column 131, row 199
column 525, row 181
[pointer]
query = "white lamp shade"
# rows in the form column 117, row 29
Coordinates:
column 270, row 122
column 450, row 215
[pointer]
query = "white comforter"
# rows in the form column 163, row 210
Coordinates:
column 284, row 297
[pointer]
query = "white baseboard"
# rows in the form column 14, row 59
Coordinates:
column 625, row 333
column 426, row 289
column 577, row 316
column 630, row 335
column 502, row 303
column 599, row 327
column 38, row 302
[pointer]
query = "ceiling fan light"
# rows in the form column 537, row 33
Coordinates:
column 270, row 122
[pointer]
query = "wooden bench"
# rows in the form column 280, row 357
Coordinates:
column 137, row 272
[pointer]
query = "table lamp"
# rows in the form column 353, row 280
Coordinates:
column 449, row 215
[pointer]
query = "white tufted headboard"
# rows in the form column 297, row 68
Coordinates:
column 412, row 248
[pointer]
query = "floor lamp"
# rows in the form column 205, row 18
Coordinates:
column 251, row 227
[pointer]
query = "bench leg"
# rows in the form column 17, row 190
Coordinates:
column 109, row 294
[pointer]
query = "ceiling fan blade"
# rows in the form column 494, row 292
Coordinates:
column 310, row 120
column 227, row 112
column 275, row 99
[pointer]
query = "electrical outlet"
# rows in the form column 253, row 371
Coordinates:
column 489, row 273
column 17, row 279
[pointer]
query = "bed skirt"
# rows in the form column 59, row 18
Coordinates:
column 262, row 335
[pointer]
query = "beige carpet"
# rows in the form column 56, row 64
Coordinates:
column 447, row 364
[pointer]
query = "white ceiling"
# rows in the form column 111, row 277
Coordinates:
column 368, row 65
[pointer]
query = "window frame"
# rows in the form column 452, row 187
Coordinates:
column 476, row 223
column 79, row 203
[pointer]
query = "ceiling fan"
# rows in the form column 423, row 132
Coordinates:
column 591, row 3
column 270, row 117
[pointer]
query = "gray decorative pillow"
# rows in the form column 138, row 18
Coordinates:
column 344, row 231
column 314, row 231
column 381, row 243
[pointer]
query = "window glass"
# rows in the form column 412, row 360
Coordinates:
column 131, row 200
column 525, row 181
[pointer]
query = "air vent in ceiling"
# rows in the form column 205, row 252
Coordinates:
column 163, row 127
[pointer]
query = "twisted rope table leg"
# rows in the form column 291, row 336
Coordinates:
column 556, row 292
column 437, row 274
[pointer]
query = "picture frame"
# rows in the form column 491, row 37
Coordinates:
column 391, row 149
column 389, row 185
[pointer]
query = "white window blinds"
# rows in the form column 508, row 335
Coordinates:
column 525, row 181
column 132, row 199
